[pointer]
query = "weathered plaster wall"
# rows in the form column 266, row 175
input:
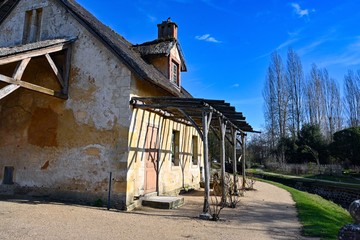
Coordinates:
column 66, row 147
column 174, row 53
column 172, row 178
column 162, row 64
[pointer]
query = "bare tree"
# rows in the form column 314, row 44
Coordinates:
column 332, row 105
column 315, row 98
column 352, row 97
column 295, row 78
column 276, row 96
column 270, row 106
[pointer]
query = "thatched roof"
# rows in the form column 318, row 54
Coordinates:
column 115, row 42
column 5, row 8
column 8, row 51
column 160, row 47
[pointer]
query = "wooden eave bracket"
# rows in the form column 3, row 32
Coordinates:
column 23, row 59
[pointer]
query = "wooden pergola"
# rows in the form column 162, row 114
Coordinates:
column 23, row 54
column 204, row 115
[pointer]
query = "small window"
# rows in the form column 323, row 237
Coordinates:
column 8, row 175
column 195, row 154
column 32, row 25
column 175, row 148
column 174, row 78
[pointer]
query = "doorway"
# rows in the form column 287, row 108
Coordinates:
column 151, row 159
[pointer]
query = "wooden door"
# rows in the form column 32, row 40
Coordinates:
column 151, row 155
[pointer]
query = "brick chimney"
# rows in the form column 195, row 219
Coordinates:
column 167, row 29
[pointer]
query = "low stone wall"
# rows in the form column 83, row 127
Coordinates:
column 343, row 195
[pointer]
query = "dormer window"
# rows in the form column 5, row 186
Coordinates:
column 174, row 75
column 32, row 25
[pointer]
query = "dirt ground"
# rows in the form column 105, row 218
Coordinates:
column 267, row 213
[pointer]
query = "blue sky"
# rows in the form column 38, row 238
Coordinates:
column 227, row 43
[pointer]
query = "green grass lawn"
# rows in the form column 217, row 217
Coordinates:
column 319, row 217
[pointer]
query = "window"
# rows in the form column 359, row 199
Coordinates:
column 175, row 147
column 195, row 154
column 174, row 77
column 32, row 25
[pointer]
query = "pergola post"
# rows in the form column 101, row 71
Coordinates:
column 243, row 160
column 222, row 123
column 206, row 120
column 233, row 133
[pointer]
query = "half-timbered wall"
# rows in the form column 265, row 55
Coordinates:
column 171, row 178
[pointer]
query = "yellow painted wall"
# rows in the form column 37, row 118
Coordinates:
column 171, row 178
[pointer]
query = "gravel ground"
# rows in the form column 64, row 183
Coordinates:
column 266, row 213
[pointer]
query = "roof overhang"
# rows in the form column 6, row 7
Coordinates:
column 23, row 54
column 190, row 111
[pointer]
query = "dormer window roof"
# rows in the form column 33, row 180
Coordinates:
column 160, row 47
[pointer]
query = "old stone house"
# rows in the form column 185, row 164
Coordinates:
column 65, row 119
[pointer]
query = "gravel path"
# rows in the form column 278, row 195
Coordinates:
column 267, row 213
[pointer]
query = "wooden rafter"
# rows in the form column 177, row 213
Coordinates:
column 32, row 53
column 24, row 54
column 19, row 71
column 55, row 69
column 31, row 86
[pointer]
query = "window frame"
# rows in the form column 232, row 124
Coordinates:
column 32, row 25
column 195, row 150
column 175, row 148
column 175, row 72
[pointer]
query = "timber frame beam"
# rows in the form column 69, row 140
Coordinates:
column 23, row 54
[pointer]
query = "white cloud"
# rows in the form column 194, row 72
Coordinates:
column 299, row 11
column 349, row 56
column 236, row 85
column 311, row 46
column 152, row 18
column 203, row 37
column 207, row 38
column 287, row 43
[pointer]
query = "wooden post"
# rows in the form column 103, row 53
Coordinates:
column 206, row 119
column 222, row 160
column 243, row 160
column 234, row 133
column 158, row 155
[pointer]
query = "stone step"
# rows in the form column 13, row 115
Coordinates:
column 163, row 202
